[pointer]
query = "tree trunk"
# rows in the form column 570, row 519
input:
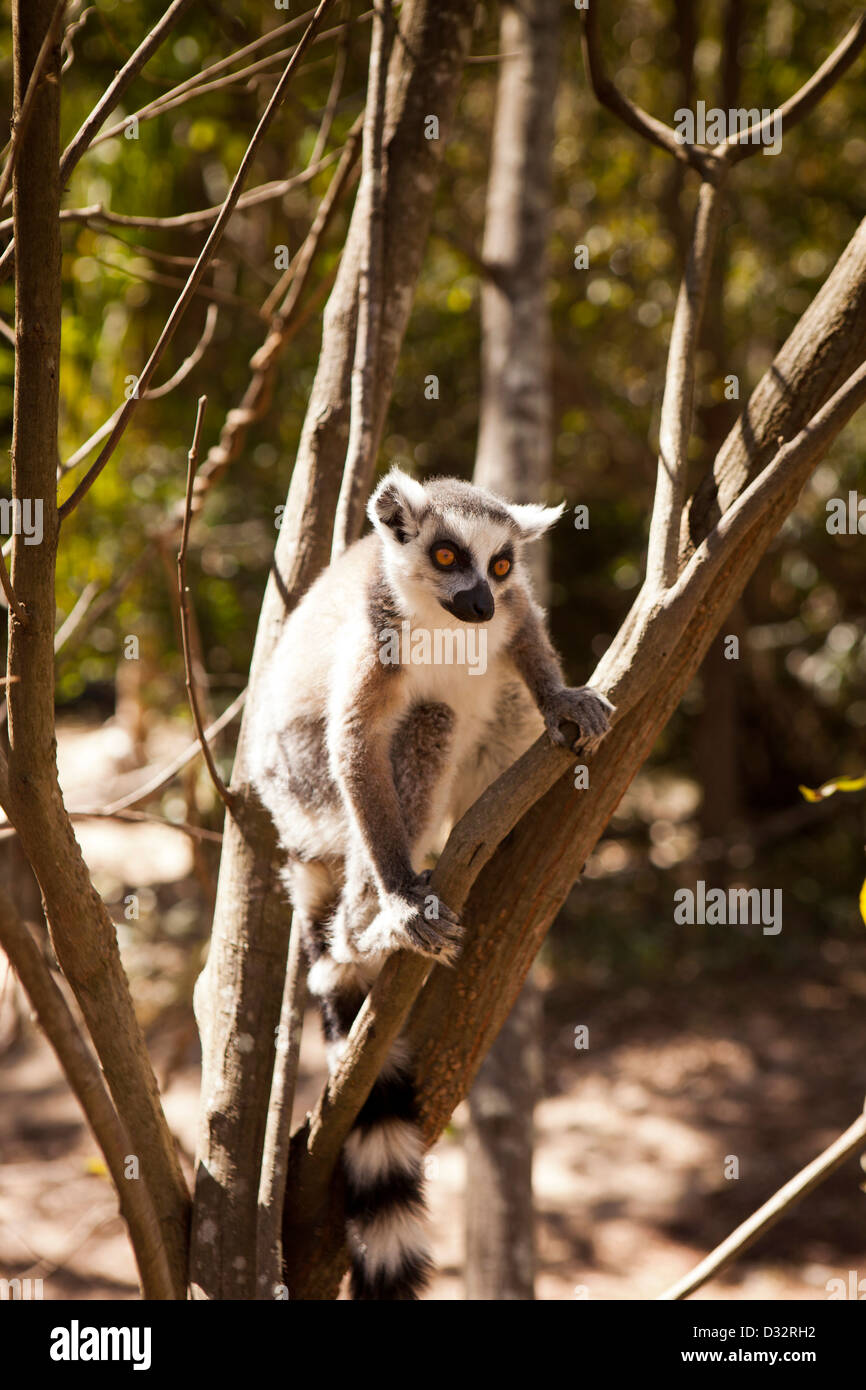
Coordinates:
column 82, row 933
column 239, row 994
column 500, row 1212
column 514, row 459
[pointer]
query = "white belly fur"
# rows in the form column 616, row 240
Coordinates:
column 483, row 745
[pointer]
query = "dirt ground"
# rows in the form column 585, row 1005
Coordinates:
column 633, row 1134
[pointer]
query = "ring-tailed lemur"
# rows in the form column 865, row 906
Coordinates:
column 412, row 673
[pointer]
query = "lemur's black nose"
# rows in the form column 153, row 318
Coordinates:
column 473, row 605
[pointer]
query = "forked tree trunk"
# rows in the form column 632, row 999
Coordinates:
column 238, row 997
column 647, row 669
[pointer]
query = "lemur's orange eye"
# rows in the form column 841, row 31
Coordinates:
column 444, row 556
column 501, row 566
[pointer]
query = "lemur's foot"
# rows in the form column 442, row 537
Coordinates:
column 415, row 920
column 584, row 707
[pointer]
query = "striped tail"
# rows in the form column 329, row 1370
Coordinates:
column 382, row 1158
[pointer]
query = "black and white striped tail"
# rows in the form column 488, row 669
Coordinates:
column 382, row 1157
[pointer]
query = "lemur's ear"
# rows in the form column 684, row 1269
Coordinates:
column 533, row 519
column 396, row 506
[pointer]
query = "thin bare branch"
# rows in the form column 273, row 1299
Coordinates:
column 297, row 272
column 766, row 1216
column 164, row 775
column 201, row 264
column 194, row 832
column 739, row 147
column 333, row 97
column 191, row 221
column 86, row 1081
column 153, row 393
column 76, row 614
column 195, row 87
column 183, row 595
column 216, row 68
column 67, row 46
column 632, row 115
column 286, row 320
column 83, row 137
column 106, row 103
column 679, row 395
column 9, row 593
column 120, row 809
column 278, row 1130
column 358, row 470
column 209, row 292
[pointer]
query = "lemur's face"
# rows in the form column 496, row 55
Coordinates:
column 453, row 542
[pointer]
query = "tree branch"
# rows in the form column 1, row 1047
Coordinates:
column 83, row 137
column 82, row 933
column 153, row 393
column 194, row 832
column 359, row 454
column 792, row 111
column 164, row 775
column 183, row 599
column 195, row 86
column 738, row 146
column 632, row 115
column 86, row 1082
column 201, row 264
column 678, row 403
column 106, row 103
column 264, row 193
column 766, row 1216
column 9, row 593
column 284, row 320
column 278, row 1132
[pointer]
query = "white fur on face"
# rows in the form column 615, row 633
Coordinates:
column 410, row 519
column 416, row 580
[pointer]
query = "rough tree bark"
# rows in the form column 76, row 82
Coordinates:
column 514, row 459
column 239, row 994
column 82, row 932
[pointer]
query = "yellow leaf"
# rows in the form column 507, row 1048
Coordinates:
column 836, row 784
column 863, row 901
column 809, row 794
column 96, row 1167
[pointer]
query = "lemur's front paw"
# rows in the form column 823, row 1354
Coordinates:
column 419, row 921
column 581, row 706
